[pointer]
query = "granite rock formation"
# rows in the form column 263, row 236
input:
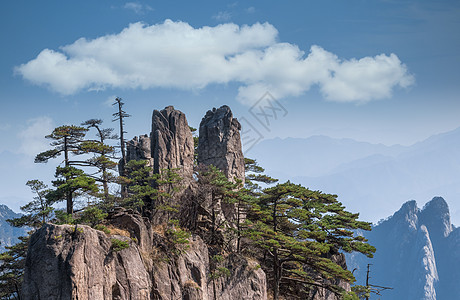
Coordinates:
column 79, row 262
column 139, row 149
column 68, row 262
column 172, row 143
column 220, row 143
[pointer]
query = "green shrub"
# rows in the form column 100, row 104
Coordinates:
column 63, row 218
column 92, row 216
column 102, row 228
column 118, row 245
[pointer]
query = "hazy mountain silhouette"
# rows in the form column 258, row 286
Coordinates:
column 8, row 234
column 372, row 179
column 417, row 254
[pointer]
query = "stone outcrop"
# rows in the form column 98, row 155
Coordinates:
column 79, row 262
column 172, row 143
column 139, row 149
column 68, row 262
column 220, row 143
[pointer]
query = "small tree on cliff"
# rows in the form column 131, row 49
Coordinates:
column 215, row 189
column 120, row 116
column 65, row 140
column 299, row 229
column 103, row 154
column 255, row 175
column 12, row 263
column 39, row 210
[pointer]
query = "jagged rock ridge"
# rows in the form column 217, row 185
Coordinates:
column 417, row 253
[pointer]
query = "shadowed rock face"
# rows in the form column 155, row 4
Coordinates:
column 172, row 143
column 220, row 143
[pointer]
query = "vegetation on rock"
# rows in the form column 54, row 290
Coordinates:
column 291, row 231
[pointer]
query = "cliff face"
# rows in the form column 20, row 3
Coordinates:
column 65, row 262
column 417, row 253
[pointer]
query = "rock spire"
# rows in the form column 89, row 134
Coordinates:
column 220, row 143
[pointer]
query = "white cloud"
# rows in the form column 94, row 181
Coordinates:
column 174, row 54
column 32, row 138
column 137, row 7
column 222, row 16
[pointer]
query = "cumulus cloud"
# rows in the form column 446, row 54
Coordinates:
column 177, row 55
column 33, row 136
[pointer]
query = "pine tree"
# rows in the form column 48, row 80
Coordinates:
column 215, row 189
column 12, row 263
column 103, row 155
column 120, row 116
column 74, row 182
column 65, row 140
column 299, row 229
column 38, row 211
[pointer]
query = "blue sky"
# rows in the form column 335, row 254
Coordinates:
column 378, row 71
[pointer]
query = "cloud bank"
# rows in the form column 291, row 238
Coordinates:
column 177, row 55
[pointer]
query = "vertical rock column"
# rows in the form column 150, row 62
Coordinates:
column 220, row 143
column 172, row 143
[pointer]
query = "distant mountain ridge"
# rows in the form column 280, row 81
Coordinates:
column 8, row 233
column 372, row 179
column 417, row 254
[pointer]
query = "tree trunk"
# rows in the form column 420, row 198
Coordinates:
column 276, row 273
column 69, row 200
column 124, row 188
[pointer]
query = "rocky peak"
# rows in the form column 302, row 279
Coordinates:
column 436, row 217
column 172, row 142
column 220, row 143
column 407, row 215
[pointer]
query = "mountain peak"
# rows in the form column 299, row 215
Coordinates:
column 436, row 216
column 407, row 214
